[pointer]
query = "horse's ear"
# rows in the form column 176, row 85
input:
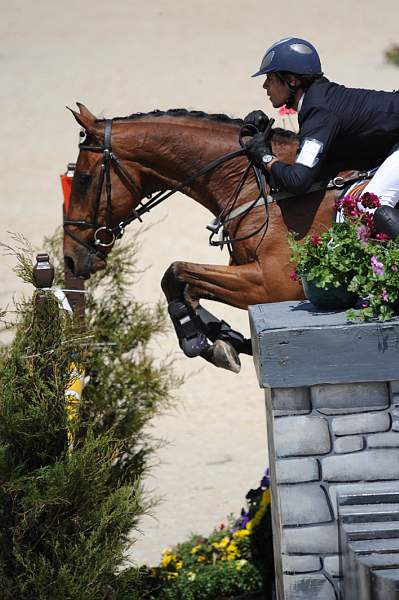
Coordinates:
column 85, row 118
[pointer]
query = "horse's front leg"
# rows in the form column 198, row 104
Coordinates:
column 185, row 283
column 192, row 339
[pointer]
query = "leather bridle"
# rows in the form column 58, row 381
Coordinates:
column 106, row 234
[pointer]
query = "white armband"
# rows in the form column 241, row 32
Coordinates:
column 309, row 152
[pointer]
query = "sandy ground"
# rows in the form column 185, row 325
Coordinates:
column 130, row 56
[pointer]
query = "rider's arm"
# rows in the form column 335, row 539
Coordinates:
column 317, row 132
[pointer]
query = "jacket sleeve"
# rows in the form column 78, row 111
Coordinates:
column 317, row 132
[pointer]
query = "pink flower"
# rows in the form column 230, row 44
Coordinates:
column 378, row 267
column 382, row 237
column 349, row 206
column 367, row 219
column 370, row 200
column 283, row 111
column 384, row 295
column 363, row 233
column 315, row 239
column 394, row 268
column 294, row 276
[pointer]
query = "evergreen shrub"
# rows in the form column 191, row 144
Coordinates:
column 66, row 510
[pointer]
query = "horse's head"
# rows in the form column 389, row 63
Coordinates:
column 106, row 188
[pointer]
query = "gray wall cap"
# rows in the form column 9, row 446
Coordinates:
column 295, row 344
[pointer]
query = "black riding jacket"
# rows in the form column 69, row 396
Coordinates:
column 351, row 128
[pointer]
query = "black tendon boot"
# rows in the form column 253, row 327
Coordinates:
column 215, row 329
column 386, row 220
column 192, row 341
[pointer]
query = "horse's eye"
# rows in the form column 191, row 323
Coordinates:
column 83, row 178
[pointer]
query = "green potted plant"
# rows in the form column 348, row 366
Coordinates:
column 348, row 264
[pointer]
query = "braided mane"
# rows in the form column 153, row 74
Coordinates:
column 199, row 114
column 181, row 112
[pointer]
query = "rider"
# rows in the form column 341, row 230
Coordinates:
column 339, row 128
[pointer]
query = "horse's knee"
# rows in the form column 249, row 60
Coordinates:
column 171, row 281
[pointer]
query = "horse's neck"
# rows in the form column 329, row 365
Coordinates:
column 172, row 149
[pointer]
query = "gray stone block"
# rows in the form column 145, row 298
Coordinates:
column 313, row 539
column 361, row 488
column 383, row 440
column 370, row 465
column 301, row 436
column 350, row 443
column 308, row 587
column 291, row 401
column 301, row 564
column 297, row 470
column 394, row 386
column 395, row 411
column 364, row 423
column 295, row 345
column 331, row 565
column 395, row 425
column 349, row 397
column 303, row 504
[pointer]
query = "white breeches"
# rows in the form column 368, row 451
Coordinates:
column 385, row 183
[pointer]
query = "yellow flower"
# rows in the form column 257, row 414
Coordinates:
column 232, row 551
column 195, row 549
column 264, row 503
column 166, row 560
column 172, row 575
column 241, row 533
column 201, row 558
column 240, row 564
column 191, row 576
column 178, row 565
column 222, row 544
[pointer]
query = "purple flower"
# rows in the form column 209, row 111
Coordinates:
column 384, row 295
column 377, row 266
column 394, row 268
column 265, row 482
column 362, row 233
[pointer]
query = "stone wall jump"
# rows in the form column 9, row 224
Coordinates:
column 332, row 403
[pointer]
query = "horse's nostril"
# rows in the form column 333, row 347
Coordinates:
column 69, row 263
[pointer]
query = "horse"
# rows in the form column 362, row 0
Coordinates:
column 159, row 151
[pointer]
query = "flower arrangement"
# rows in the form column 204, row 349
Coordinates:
column 352, row 256
column 235, row 559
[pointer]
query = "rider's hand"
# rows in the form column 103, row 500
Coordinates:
column 257, row 148
column 257, row 118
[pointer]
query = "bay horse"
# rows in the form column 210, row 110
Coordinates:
column 159, row 151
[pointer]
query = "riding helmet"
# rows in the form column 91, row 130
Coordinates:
column 291, row 54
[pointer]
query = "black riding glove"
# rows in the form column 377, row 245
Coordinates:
column 257, row 118
column 257, row 148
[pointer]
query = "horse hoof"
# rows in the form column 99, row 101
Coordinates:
column 223, row 355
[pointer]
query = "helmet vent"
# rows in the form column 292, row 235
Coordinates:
column 268, row 59
column 301, row 48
